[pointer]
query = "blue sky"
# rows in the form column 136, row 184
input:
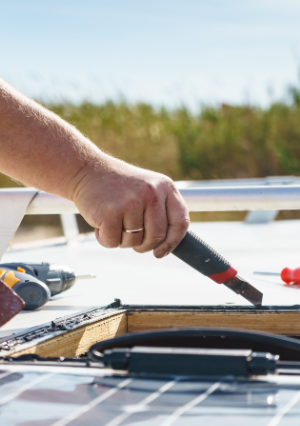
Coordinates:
column 163, row 52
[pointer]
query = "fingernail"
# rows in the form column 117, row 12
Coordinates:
column 166, row 254
column 160, row 254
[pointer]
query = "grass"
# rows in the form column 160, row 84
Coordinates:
column 217, row 143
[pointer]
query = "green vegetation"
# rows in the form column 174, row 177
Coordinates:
column 217, row 143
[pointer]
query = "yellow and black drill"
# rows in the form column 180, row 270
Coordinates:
column 35, row 283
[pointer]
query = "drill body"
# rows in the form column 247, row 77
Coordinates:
column 35, row 283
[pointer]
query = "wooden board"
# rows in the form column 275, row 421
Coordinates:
column 285, row 323
column 72, row 337
column 77, row 342
column 69, row 336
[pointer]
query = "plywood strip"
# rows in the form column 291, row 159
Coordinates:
column 287, row 323
column 136, row 319
column 78, row 341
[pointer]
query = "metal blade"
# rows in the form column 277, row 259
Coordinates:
column 277, row 274
column 243, row 288
column 84, row 277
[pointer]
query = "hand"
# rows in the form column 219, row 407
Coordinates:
column 113, row 196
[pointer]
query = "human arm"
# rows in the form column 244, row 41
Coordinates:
column 40, row 149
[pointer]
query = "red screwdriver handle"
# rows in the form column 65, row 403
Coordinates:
column 290, row 275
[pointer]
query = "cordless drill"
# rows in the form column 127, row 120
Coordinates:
column 35, row 283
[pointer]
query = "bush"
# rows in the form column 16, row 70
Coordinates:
column 217, row 143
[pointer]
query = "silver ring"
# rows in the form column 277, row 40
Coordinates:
column 133, row 231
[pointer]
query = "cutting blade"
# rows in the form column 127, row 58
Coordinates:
column 243, row 288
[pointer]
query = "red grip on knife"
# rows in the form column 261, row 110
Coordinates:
column 222, row 277
column 290, row 275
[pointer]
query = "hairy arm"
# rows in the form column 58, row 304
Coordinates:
column 41, row 150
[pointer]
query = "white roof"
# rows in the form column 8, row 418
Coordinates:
column 142, row 279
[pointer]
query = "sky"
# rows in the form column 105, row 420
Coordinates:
column 165, row 52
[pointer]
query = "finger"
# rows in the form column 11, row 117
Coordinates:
column 133, row 220
column 178, row 218
column 109, row 234
column 156, row 226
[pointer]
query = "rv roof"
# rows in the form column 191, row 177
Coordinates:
column 142, row 279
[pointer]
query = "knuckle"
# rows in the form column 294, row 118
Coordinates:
column 135, row 241
column 110, row 210
column 139, row 250
column 168, row 182
column 152, row 196
column 149, row 189
column 154, row 199
column 105, row 241
column 131, row 201
column 112, row 245
column 183, row 223
column 108, row 244
column 159, row 238
column 150, row 243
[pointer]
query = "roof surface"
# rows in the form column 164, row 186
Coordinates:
column 142, row 279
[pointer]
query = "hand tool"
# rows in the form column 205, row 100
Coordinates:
column 196, row 253
column 35, row 283
column 10, row 303
column 289, row 276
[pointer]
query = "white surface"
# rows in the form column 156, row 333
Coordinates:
column 142, row 279
column 21, row 201
column 14, row 203
column 273, row 197
column 209, row 198
column 45, row 203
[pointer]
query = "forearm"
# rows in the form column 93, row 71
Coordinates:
column 40, row 149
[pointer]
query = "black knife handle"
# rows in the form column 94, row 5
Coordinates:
column 196, row 253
